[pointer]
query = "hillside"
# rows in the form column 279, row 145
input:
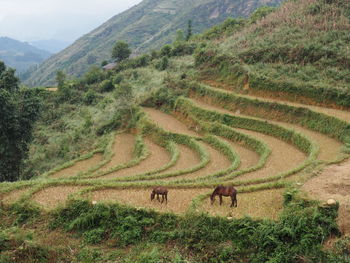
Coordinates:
column 51, row 45
column 147, row 26
column 193, row 116
column 19, row 55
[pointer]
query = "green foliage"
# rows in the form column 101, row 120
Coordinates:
column 165, row 51
column 189, row 30
column 107, row 85
column 60, row 78
column 121, row 51
column 94, row 75
column 24, row 212
column 17, row 245
column 90, row 97
column 163, row 64
column 302, row 228
column 260, row 13
column 286, row 56
column 19, row 111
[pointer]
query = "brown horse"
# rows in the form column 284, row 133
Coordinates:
column 225, row 191
column 160, row 190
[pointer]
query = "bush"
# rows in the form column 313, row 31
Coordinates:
column 106, row 86
column 90, row 97
column 162, row 64
column 24, row 212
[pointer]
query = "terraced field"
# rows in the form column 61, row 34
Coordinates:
column 213, row 137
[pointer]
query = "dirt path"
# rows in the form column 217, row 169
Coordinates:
column 158, row 158
column 330, row 148
column 123, row 151
column 333, row 183
column 81, row 166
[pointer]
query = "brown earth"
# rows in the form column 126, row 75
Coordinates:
column 248, row 157
column 332, row 110
column 81, row 166
column 188, row 158
column 13, row 196
column 158, row 158
column 123, row 148
column 333, row 183
column 283, row 157
column 179, row 200
column 330, row 148
column 261, row 204
column 52, row 197
column 168, row 122
column 218, row 162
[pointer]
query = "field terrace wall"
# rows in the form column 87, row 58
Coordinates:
column 328, row 125
column 232, row 71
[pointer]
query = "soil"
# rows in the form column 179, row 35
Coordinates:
column 81, row 166
column 123, row 148
column 333, row 183
column 158, row 158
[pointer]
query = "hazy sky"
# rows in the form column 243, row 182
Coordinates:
column 29, row 20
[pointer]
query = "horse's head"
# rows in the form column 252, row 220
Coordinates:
column 212, row 199
column 152, row 195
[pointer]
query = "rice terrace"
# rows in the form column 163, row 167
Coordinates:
column 123, row 163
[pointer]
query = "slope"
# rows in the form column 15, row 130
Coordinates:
column 147, row 26
column 20, row 55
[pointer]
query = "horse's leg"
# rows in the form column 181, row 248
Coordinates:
column 233, row 201
column 166, row 198
column 162, row 198
column 220, row 196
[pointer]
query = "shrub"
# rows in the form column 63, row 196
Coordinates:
column 24, row 212
column 106, row 86
column 162, row 64
column 90, row 97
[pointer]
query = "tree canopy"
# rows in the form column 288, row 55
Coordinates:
column 19, row 109
column 121, row 51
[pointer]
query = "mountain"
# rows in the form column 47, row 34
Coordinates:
column 51, row 45
column 20, row 55
column 146, row 26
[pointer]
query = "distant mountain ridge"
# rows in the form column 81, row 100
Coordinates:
column 146, row 26
column 20, row 55
column 51, row 45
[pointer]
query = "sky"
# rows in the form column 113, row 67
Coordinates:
column 65, row 20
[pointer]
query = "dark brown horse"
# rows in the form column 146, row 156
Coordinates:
column 160, row 190
column 225, row 191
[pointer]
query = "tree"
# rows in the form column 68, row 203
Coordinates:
column 179, row 36
column 121, row 51
column 189, row 30
column 60, row 78
column 19, row 110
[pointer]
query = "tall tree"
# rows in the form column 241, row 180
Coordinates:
column 121, row 51
column 189, row 30
column 19, row 109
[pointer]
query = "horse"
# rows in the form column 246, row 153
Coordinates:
column 160, row 190
column 225, row 191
